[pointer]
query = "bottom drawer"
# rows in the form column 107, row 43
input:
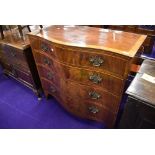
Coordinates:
column 26, row 77
column 49, row 88
column 90, row 111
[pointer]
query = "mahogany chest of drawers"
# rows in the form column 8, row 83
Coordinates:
column 85, row 68
column 140, row 107
column 17, row 61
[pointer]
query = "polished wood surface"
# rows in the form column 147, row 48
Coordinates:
column 139, row 29
column 13, row 38
column 17, row 60
column 123, row 43
column 85, row 68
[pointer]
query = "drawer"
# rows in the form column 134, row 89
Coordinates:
column 87, row 59
column 48, row 74
column 21, row 75
column 15, row 56
column 92, row 78
column 43, row 59
column 90, row 111
column 83, row 94
column 50, row 87
column 42, row 46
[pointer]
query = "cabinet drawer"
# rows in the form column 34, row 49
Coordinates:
column 96, row 61
column 15, row 56
column 43, row 59
column 43, row 46
column 90, row 111
column 82, row 94
column 50, row 87
column 48, row 74
column 21, row 75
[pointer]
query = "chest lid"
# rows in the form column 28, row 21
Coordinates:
column 123, row 43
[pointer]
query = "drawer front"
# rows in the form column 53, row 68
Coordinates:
column 43, row 59
column 90, row 111
column 95, row 61
column 21, row 75
column 15, row 56
column 43, row 46
column 98, row 113
column 48, row 74
column 50, row 87
column 83, row 94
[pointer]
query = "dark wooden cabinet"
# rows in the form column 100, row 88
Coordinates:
column 18, row 62
column 85, row 68
column 140, row 107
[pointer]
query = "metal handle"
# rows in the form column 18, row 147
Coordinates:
column 45, row 47
column 96, row 61
column 52, row 89
column 94, row 95
column 95, row 78
column 93, row 109
column 49, row 75
column 46, row 61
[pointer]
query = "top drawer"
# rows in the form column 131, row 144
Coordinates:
column 87, row 58
column 14, row 55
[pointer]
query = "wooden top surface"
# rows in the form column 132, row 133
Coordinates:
column 120, row 42
column 12, row 38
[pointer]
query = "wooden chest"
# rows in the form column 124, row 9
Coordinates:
column 17, row 60
column 85, row 68
column 140, row 107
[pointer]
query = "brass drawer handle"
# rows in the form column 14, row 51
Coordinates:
column 13, row 54
column 94, row 95
column 95, row 78
column 93, row 109
column 46, row 61
column 49, row 75
column 45, row 47
column 96, row 61
column 52, row 89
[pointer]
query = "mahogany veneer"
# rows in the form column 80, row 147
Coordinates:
column 17, row 60
column 85, row 68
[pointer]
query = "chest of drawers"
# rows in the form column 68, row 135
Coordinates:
column 85, row 68
column 17, row 61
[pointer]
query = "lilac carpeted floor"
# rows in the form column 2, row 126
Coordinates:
column 20, row 109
